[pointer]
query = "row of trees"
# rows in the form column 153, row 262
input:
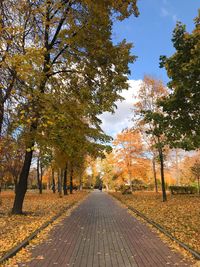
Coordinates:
column 141, row 157
column 166, row 119
column 59, row 70
column 176, row 122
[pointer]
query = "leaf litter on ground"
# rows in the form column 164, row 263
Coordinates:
column 180, row 215
column 38, row 209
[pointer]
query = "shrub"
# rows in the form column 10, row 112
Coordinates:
column 125, row 189
column 182, row 189
column 139, row 185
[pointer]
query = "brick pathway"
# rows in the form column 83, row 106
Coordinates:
column 100, row 233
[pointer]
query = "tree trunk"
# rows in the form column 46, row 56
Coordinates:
column 177, row 168
column 65, row 181
column 80, row 183
column 60, row 183
column 22, row 184
column 1, row 117
column 0, row 195
column 39, row 176
column 164, row 195
column 71, row 181
column 198, row 184
column 53, row 182
column 130, row 181
column 154, row 173
column 15, row 183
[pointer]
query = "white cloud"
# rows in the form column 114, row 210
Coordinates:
column 174, row 17
column 115, row 123
column 166, row 13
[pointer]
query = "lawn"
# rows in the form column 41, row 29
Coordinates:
column 180, row 215
column 38, row 210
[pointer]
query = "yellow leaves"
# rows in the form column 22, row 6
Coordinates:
column 40, row 208
column 50, row 122
column 29, row 64
column 40, row 257
column 179, row 215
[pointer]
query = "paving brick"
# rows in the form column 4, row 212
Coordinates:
column 101, row 233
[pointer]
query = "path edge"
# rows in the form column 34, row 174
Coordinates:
column 194, row 253
column 13, row 251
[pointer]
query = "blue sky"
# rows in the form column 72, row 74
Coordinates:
column 151, row 34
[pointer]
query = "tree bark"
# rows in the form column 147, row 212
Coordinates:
column 198, row 184
column 1, row 117
column 15, row 183
column 154, row 174
column 22, row 184
column 53, row 182
column 164, row 195
column 60, row 182
column 80, row 182
column 0, row 195
column 39, row 176
column 65, row 181
column 71, row 181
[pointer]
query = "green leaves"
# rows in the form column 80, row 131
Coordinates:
column 182, row 105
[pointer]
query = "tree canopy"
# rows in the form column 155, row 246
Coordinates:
column 182, row 105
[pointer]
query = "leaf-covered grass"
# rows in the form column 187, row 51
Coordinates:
column 38, row 210
column 180, row 215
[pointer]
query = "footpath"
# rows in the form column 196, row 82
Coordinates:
column 101, row 233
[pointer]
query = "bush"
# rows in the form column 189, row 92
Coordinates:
column 34, row 186
column 139, row 185
column 182, row 189
column 86, row 187
column 125, row 189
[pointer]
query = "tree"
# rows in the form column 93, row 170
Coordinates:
column 14, row 155
column 152, row 123
column 65, row 192
column 157, row 131
column 9, row 37
column 44, row 157
column 108, row 170
column 70, row 43
column 196, row 171
column 182, row 105
column 129, row 154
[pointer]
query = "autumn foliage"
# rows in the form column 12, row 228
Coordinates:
column 39, row 209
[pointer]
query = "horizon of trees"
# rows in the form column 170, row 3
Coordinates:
column 59, row 70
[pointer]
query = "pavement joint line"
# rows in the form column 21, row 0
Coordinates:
column 194, row 253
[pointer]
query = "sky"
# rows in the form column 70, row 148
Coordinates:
column 151, row 35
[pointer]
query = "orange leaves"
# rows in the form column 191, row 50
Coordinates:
column 150, row 91
column 129, row 158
